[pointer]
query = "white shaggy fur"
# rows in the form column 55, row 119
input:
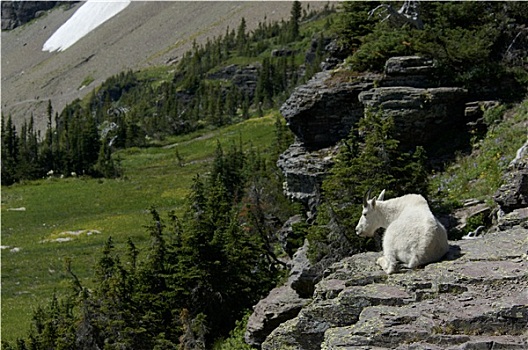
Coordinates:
column 413, row 235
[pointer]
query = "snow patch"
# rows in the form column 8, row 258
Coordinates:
column 88, row 17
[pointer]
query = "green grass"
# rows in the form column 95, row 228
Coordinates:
column 118, row 208
column 479, row 174
column 86, row 81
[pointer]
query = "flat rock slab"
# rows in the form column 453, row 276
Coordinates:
column 477, row 298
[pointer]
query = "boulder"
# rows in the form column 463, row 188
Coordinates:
column 517, row 217
column 476, row 297
column 321, row 113
column 412, row 71
column 282, row 304
column 303, row 275
column 513, row 194
column 408, row 65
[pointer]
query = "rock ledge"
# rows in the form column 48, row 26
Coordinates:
column 476, row 298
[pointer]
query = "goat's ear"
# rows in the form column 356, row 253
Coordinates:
column 373, row 203
column 381, row 196
column 366, row 198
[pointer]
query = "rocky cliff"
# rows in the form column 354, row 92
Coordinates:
column 476, row 298
column 17, row 13
column 323, row 111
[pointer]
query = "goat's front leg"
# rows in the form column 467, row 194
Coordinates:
column 388, row 264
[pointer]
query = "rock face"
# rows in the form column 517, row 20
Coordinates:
column 17, row 13
column 476, row 298
column 283, row 303
column 320, row 114
column 243, row 77
column 304, row 172
column 280, row 305
column 512, row 197
column 421, row 115
column 324, row 110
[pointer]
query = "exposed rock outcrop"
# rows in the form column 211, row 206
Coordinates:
column 512, row 197
column 412, row 71
column 320, row 113
column 324, row 110
column 243, row 77
column 421, row 116
column 477, row 297
column 304, row 172
column 17, row 13
column 282, row 303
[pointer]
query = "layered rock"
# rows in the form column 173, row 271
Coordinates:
column 412, row 71
column 282, row 304
column 285, row 302
column 512, row 197
column 320, row 113
column 477, row 297
column 17, row 13
column 304, row 173
column 422, row 116
column 324, row 110
column 243, row 77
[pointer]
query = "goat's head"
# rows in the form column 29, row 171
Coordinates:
column 370, row 219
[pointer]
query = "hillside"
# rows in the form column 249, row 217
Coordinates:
column 41, row 235
column 240, row 207
column 145, row 34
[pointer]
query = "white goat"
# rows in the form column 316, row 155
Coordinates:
column 412, row 234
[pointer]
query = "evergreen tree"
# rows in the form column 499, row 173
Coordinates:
column 28, row 166
column 295, row 18
column 10, row 151
column 241, row 38
column 106, row 166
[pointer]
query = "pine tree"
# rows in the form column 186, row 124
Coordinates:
column 295, row 17
column 10, row 152
column 241, row 38
column 28, row 166
column 106, row 166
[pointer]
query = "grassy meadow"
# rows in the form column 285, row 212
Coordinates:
column 158, row 176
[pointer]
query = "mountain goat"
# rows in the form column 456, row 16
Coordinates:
column 412, row 236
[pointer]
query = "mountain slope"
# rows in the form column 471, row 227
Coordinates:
column 146, row 33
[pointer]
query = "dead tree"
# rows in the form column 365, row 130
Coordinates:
column 407, row 14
